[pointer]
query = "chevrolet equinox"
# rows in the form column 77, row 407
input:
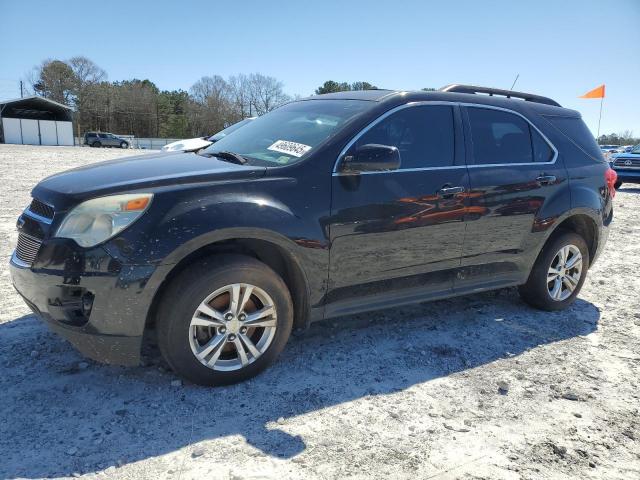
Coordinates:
column 327, row 206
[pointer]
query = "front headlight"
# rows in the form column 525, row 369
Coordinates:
column 99, row 219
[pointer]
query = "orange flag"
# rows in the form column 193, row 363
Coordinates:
column 597, row 92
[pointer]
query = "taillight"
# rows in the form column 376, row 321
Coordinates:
column 611, row 177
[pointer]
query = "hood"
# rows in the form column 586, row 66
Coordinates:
column 622, row 156
column 136, row 173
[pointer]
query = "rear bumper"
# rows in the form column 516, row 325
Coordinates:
column 101, row 313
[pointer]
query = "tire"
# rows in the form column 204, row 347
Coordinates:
column 617, row 185
column 124, row 145
column 538, row 291
column 206, row 285
column 96, row 144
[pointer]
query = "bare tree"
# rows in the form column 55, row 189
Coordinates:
column 138, row 107
column 210, row 89
column 266, row 93
column 211, row 107
column 87, row 75
column 85, row 71
column 240, row 95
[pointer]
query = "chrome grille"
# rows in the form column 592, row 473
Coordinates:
column 622, row 162
column 27, row 248
column 41, row 209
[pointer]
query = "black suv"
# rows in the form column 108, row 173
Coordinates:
column 327, row 206
column 103, row 139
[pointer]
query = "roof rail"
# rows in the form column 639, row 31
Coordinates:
column 529, row 97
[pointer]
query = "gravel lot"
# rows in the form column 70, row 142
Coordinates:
column 409, row 393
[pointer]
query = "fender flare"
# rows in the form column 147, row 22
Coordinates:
column 164, row 269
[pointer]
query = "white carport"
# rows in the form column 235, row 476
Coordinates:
column 35, row 121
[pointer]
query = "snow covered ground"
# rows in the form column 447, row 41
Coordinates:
column 409, row 393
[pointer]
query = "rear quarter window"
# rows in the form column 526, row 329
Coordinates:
column 574, row 129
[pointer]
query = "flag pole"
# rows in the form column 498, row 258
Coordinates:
column 600, row 117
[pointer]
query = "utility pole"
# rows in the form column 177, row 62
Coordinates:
column 21, row 90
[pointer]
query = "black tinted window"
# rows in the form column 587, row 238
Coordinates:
column 499, row 137
column 575, row 130
column 424, row 135
column 542, row 152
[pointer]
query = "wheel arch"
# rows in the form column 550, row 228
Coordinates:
column 271, row 248
column 583, row 222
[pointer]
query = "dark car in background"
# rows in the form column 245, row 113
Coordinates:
column 324, row 207
column 104, row 139
column 627, row 166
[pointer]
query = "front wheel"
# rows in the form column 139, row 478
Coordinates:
column 558, row 274
column 124, row 145
column 225, row 320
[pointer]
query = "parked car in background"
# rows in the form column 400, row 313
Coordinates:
column 187, row 145
column 195, row 144
column 627, row 166
column 327, row 206
column 608, row 150
column 104, row 139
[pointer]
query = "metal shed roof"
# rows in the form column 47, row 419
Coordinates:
column 34, row 107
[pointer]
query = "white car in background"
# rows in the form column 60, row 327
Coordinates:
column 195, row 144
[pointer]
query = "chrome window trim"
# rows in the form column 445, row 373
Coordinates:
column 544, row 137
column 35, row 216
column 378, row 120
column 335, row 172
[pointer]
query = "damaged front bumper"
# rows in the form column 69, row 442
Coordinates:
column 98, row 304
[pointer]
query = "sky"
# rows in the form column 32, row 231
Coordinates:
column 559, row 49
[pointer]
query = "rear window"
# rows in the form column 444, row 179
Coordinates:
column 499, row 137
column 579, row 134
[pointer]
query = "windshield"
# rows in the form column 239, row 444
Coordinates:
column 287, row 134
column 232, row 128
column 636, row 149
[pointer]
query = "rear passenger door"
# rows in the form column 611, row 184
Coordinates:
column 517, row 183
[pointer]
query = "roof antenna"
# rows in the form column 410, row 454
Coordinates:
column 514, row 82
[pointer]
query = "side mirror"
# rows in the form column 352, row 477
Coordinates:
column 371, row 158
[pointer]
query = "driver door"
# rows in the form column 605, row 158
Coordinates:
column 399, row 233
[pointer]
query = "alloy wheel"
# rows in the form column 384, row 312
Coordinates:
column 564, row 273
column 233, row 327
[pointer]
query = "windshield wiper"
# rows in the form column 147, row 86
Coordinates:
column 229, row 156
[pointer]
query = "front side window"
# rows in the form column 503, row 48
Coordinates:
column 424, row 135
column 286, row 135
column 499, row 137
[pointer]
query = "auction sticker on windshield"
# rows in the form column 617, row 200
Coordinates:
column 290, row 148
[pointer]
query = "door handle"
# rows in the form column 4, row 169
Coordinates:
column 546, row 179
column 446, row 192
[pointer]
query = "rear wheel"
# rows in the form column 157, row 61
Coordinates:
column 96, row 144
column 558, row 274
column 617, row 185
column 224, row 321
